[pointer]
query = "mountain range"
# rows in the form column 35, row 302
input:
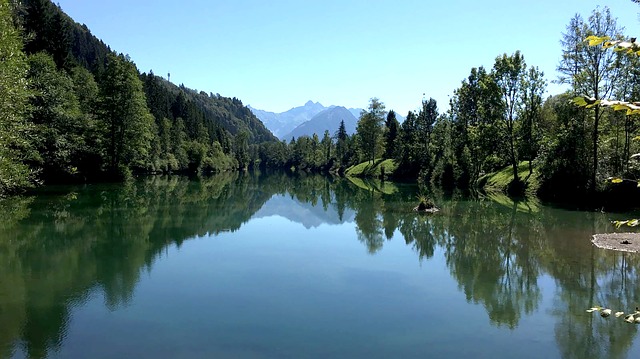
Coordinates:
column 327, row 120
column 311, row 118
column 284, row 124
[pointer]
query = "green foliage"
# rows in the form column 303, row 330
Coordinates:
column 369, row 130
column 391, row 135
column 565, row 154
column 48, row 30
column 125, row 121
column 61, row 129
column 378, row 169
column 475, row 109
column 592, row 71
column 15, row 131
column 499, row 181
column 416, row 153
column 241, row 150
column 508, row 72
column 424, row 202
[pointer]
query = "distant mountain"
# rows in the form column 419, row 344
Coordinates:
column 284, row 122
column 328, row 119
column 355, row 112
column 284, row 125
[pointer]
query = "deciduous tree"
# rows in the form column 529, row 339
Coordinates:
column 369, row 129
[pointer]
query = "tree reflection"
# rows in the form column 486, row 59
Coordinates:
column 59, row 247
column 68, row 245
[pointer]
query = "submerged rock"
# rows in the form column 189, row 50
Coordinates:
column 426, row 206
column 426, row 210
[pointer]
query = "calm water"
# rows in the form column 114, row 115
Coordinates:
column 279, row 267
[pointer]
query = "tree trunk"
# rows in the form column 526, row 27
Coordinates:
column 595, row 150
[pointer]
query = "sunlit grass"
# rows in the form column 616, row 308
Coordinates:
column 374, row 170
column 499, row 181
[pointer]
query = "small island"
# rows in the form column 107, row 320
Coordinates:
column 624, row 242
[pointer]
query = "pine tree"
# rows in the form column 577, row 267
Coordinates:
column 391, row 135
column 342, row 144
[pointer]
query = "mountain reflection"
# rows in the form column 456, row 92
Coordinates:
column 60, row 246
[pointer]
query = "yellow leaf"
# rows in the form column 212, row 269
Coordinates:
column 579, row 101
column 616, row 180
column 596, row 40
column 619, row 224
column 620, row 107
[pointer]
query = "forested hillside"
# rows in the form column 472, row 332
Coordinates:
column 74, row 110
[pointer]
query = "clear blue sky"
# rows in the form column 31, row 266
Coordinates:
column 277, row 54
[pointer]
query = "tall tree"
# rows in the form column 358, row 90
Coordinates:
column 509, row 72
column 342, row 139
column 61, row 128
column 241, row 149
column 392, row 127
column 369, row 129
column 533, row 87
column 125, row 119
column 424, row 127
column 475, row 108
column 326, row 144
column 591, row 70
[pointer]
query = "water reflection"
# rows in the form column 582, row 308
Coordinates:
column 60, row 246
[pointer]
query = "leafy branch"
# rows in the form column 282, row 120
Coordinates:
column 630, row 47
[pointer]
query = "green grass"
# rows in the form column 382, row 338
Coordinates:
column 499, row 181
column 372, row 170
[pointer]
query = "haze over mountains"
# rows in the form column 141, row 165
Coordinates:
column 311, row 118
column 284, row 124
column 327, row 120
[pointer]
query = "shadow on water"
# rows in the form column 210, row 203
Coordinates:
column 63, row 243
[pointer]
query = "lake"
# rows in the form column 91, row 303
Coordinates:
column 279, row 266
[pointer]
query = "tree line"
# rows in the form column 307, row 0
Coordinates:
column 71, row 109
column 499, row 118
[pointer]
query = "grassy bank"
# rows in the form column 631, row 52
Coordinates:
column 499, row 181
column 378, row 169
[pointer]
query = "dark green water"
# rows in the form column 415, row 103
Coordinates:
column 306, row 267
